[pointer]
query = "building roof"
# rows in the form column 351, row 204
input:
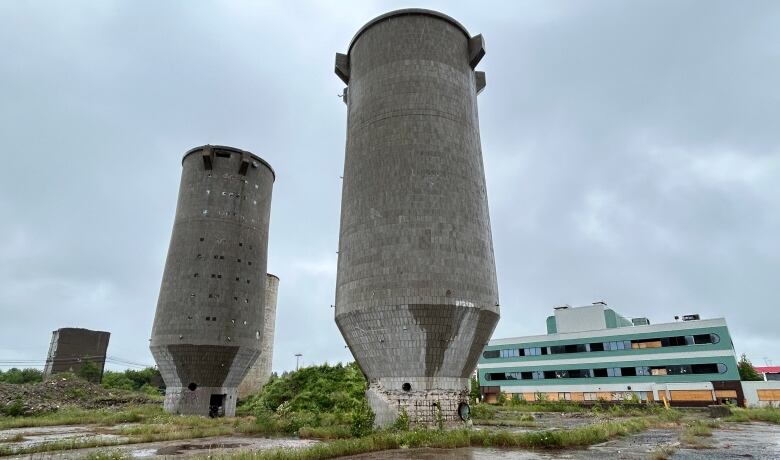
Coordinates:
column 628, row 330
column 768, row 369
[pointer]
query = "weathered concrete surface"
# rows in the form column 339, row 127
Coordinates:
column 261, row 370
column 209, row 322
column 416, row 294
column 71, row 348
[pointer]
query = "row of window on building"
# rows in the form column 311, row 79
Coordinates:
column 682, row 369
column 673, row 341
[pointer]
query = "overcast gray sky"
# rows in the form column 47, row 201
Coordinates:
column 632, row 153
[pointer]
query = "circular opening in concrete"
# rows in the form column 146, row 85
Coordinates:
column 464, row 411
column 192, row 386
column 406, row 386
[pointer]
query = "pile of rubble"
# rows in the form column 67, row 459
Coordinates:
column 49, row 396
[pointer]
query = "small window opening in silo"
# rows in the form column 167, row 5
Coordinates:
column 205, row 211
column 237, row 278
column 208, row 192
column 219, row 276
column 240, row 244
column 247, row 281
column 192, row 294
column 195, row 275
column 201, row 238
column 246, row 300
column 223, row 154
column 253, row 202
column 255, row 185
column 233, row 321
column 221, row 257
column 235, row 299
column 216, row 257
column 192, row 386
column 213, row 275
column 250, row 263
column 239, row 260
column 406, row 386
column 244, row 322
column 257, row 335
column 228, row 339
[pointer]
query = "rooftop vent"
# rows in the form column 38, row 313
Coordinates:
column 640, row 321
column 562, row 307
column 600, row 302
column 691, row 317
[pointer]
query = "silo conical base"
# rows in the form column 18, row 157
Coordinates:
column 438, row 404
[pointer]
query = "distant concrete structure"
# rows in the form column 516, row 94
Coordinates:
column 260, row 372
column 416, row 291
column 71, row 348
column 208, row 328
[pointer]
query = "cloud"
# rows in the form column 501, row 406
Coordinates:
column 631, row 154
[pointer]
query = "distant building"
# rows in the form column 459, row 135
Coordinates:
column 592, row 353
column 71, row 348
column 769, row 372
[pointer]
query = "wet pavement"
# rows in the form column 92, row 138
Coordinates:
column 734, row 441
column 32, row 436
column 731, row 441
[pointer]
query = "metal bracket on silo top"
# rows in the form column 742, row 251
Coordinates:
column 208, row 157
column 476, row 50
column 342, row 67
column 245, row 162
column 480, row 79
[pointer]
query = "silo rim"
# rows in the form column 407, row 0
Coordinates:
column 404, row 12
column 232, row 149
column 271, row 274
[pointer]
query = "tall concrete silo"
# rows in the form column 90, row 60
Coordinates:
column 209, row 324
column 416, row 294
column 261, row 370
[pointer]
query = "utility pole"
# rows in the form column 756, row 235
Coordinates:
column 297, row 359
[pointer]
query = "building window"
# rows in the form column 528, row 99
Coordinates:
column 590, row 396
column 489, row 354
column 614, row 372
column 643, row 370
column 564, row 396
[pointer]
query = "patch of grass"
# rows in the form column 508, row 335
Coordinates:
column 694, row 433
column 387, row 440
column 663, row 453
column 73, row 416
column 757, row 414
column 19, row 437
column 326, row 433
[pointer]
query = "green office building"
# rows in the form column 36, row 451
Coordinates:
column 592, row 353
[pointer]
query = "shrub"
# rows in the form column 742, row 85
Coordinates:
column 362, row 420
column 13, row 409
column 402, row 422
column 17, row 376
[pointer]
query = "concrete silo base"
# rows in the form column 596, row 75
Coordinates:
column 428, row 407
column 205, row 401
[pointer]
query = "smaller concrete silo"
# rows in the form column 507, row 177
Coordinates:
column 260, row 372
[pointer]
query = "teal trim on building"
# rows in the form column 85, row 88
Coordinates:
column 722, row 333
column 552, row 326
column 730, row 362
